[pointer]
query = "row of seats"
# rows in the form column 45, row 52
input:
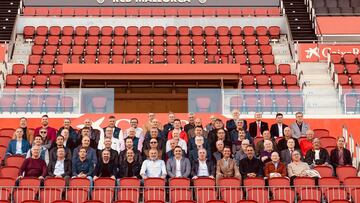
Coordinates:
column 31, row 31
column 29, row 80
column 346, row 69
column 151, row 12
column 337, row 7
column 269, row 69
column 348, row 58
column 147, row 59
column 179, row 189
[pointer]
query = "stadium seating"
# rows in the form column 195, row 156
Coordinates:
column 336, row 7
column 150, row 12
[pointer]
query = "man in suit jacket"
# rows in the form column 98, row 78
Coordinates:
column 275, row 168
column 254, row 126
column 12, row 148
column 277, row 129
column 202, row 167
column 232, row 123
column 172, row 164
column 340, row 156
column 286, row 153
column 116, row 130
column 63, row 161
column 227, row 167
column 323, row 157
column 282, row 144
column 299, row 128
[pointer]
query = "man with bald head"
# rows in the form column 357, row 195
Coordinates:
column 260, row 145
column 90, row 152
column 93, row 134
column 282, row 144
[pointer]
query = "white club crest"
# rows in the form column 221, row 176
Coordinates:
column 202, row 1
column 100, row 1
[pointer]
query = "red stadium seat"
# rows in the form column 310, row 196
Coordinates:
column 179, row 189
column 230, row 189
column 77, row 195
column 205, row 190
column 22, row 194
column 129, row 190
column 325, row 171
column 286, row 194
column 50, row 195
column 258, row 194
column 14, row 161
column 301, row 182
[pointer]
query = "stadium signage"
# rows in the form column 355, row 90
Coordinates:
column 151, row 3
column 319, row 52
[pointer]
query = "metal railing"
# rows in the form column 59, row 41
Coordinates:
column 230, row 194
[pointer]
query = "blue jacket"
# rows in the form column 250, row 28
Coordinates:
column 11, row 150
column 86, row 167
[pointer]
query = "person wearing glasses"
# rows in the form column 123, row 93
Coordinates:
column 51, row 132
column 18, row 146
column 154, row 134
column 154, row 145
column 47, row 142
column 44, row 152
column 153, row 167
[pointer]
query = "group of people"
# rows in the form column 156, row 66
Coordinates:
column 215, row 150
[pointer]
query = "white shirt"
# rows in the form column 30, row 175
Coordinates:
column 59, row 168
column 181, row 143
column 178, row 168
column 317, row 154
column 280, row 130
column 203, row 169
column 18, row 147
column 153, row 169
column 115, row 144
column 139, row 133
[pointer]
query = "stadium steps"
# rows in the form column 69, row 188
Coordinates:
column 299, row 20
column 8, row 13
column 320, row 93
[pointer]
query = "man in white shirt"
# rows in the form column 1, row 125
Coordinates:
column 180, row 142
column 139, row 133
column 115, row 143
column 203, row 167
column 61, row 167
column 178, row 166
column 277, row 129
column 153, row 167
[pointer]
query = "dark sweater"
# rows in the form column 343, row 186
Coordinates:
column 33, row 168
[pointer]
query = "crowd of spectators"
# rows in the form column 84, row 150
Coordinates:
column 216, row 149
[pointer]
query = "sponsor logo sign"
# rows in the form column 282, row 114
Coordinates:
column 319, row 52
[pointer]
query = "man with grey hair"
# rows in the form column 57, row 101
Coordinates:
column 202, row 166
column 257, row 127
column 219, row 150
column 317, row 156
column 299, row 128
column 240, row 154
column 232, row 123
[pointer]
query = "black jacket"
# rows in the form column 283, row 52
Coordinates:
column 67, row 168
column 274, row 130
column 324, row 157
column 195, row 167
column 123, row 169
column 231, row 125
column 137, row 156
column 99, row 168
column 53, row 154
column 114, row 156
column 253, row 128
column 334, row 157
